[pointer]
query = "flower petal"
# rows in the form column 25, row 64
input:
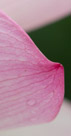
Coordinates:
column 31, row 14
column 31, row 86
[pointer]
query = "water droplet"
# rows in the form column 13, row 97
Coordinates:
column 31, row 102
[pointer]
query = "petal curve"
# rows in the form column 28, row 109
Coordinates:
column 32, row 14
column 31, row 86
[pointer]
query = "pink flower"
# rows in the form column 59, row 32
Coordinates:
column 31, row 86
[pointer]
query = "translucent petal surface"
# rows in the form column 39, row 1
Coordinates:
column 31, row 86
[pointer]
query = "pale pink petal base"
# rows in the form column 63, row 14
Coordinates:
column 55, row 128
column 31, row 86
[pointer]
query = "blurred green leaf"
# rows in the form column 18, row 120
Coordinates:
column 54, row 41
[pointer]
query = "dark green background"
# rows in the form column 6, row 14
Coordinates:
column 54, row 41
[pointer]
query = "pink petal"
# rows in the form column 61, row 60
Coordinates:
column 31, row 14
column 55, row 128
column 31, row 86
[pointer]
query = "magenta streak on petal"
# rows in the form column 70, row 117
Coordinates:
column 31, row 86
